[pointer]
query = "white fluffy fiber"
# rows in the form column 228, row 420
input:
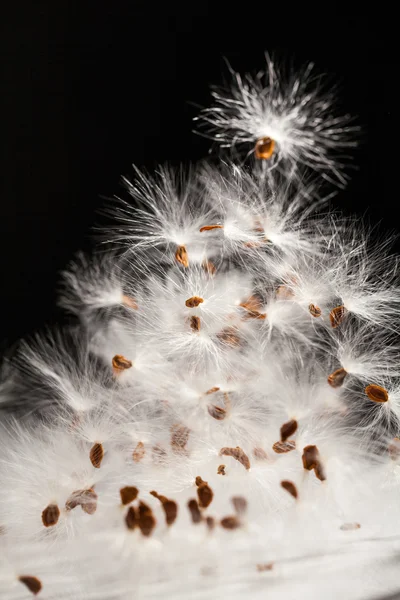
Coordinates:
column 241, row 319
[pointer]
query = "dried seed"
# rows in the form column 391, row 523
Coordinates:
column 138, row 452
column 264, row 148
column 171, row 511
column 337, row 378
column 195, row 323
column 179, row 438
column 129, row 302
column 210, row 227
column 128, row 494
column 350, row 526
column 376, row 393
column 145, row 519
column 216, row 412
column 230, row 522
column 253, row 303
column 288, row 429
column 86, row 499
column 221, row 470
column 159, row 497
column 130, row 518
column 238, row 454
column 181, row 256
column 210, row 521
column 283, row 447
column 337, row 315
column 33, row 584
column 254, row 314
column 205, row 495
column 239, row 504
column 96, row 455
column 320, row 472
column 194, row 301
column 198, row 481
column 260, row 454
column 265, row 567
column 50, row 515
column 394, row 449
column 315, row 311
column 212, row 390
column 229, row 336
column 120, row 363
column 194, row 511
column 209, row 267
column 290, row 487
column 310, row 457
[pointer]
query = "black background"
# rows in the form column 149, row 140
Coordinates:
column 88, row 89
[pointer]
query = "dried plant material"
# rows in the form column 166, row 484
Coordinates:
column 139, row 452
column 204, row 494
column 50, row 515
column 376, row 393
column 195, row 323
column 260, row 454
column 198, row 481
column 210, row 522
column 283, row 447
column 310, row 457
column 315, row 311
column 86, row 499
column 238, row 454
column 231, row 522
column 128, row 494
column 254, row 314
column 209, row 267
column 181, row 256
column 129, row 302
column 221, row 470
column 394, row 449
column 216, row 412
column 194, row 301
column 264, row 148
column 290, row 487
column 171, row 511
column 337, row 378
column 179, row 438
column 145, row 519
column 350, row 526
column 194, row 511
column 33, row 584
column 212, row 390
column 229, row 336
column 120, row 364
column 210, row 227
column 265, row 567
column 337, row 315
column 96, row 455
column 288, row 429
column 283, row 292
column 130, row 518
column 253, row 303
column 239, row 504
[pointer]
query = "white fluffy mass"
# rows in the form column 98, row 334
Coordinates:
column 224, row 421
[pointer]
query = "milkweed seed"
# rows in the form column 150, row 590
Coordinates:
column 337, row 315
column 96, row 455
column 128, row 494
column 337, row 378
column 210, row 227
column 283, row 447
column 230, row 522
column 288, row 429
column 221, row 470
column 264, row 148
column 181, row 256
column 376, row 393
column 315, row 311
column 50, row 515
column 33, row 584
column 238, row 454
column 194, row 301
column 290, row 487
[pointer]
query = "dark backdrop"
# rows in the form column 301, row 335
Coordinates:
column 87, row 89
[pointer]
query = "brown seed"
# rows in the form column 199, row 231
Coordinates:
column 194, row 511
column 337, row 378
column 205, row 495
column 50, row 515
column 394, row 449
column 350, row 526
column 221, row 470
column 254, row 314
column 315, row 311
column 145, row 519
column 230, row 522
column 310, row 457
column 337, row 315
column 216, row 412
column 181, row 256
column 265, row 567
column 229, row 336
column 376, row 393
column 33, row 584
column 264, row 148
column 289, row 487
column 288, row 429
column 260, row 454
column 210, row 522
column 194, row 301
column 120, row 363
column 128, row 494
column 210, row 227
column 159, row 497
column 209, row 267
column 283, row 447
column 239, row 504
column 253, row 303
column 138, row 452
column 129, row 302
column 179, row 438
column 96, row 455
column 130, row 518
column 86, row 499
column 320, row 472
column 195, row 323
column 212, row 390
column 238, row 454
column 171, row 511
column 198, row 481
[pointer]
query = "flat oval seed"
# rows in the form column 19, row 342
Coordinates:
column 238, row 454
column 128, row 494
column 288, row 429
column 181, row 256
column 315, row 311
column 50, row 515
column 283, row 447
column 33, row 584
column 264, row 148
column 289, row 487
column 376, row 393
column 96, row 455
column 216, row 412
column 337, row 378
column 194, row 301
column 337, row 315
